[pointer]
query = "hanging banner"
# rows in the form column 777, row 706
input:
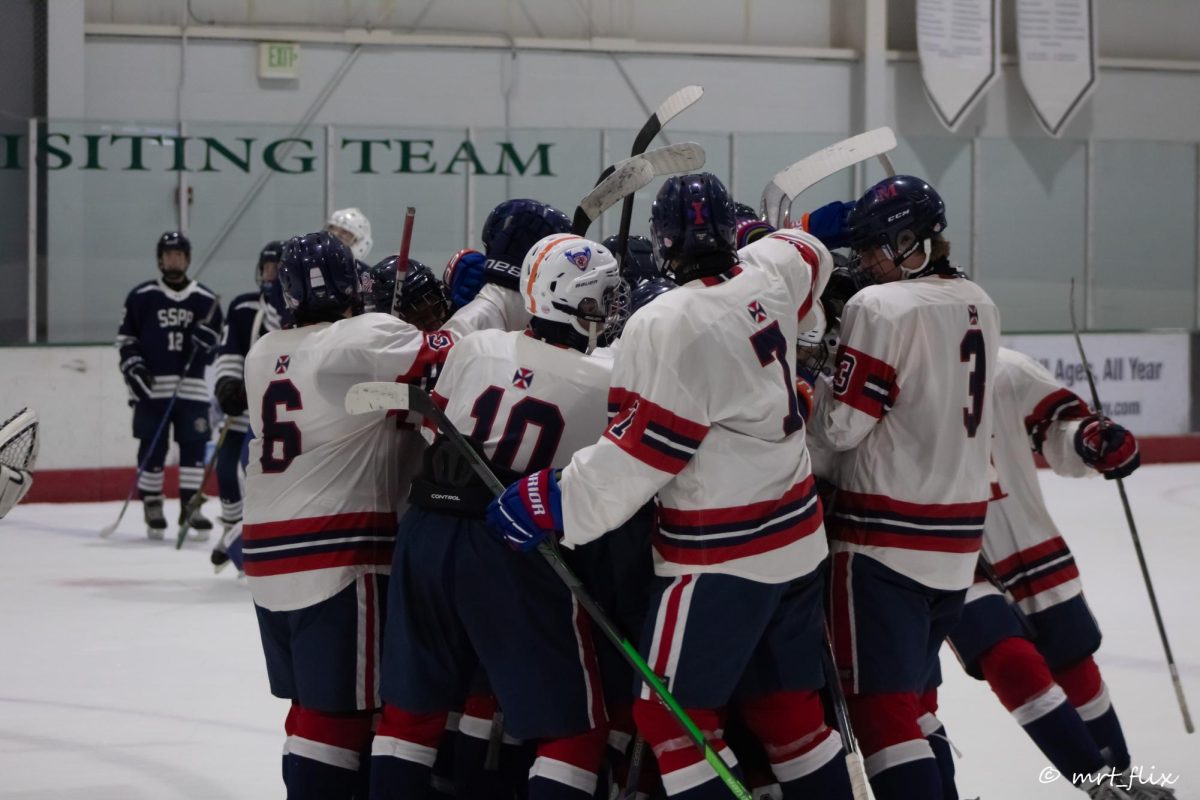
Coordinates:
column 1057, row 45
column 958, row 42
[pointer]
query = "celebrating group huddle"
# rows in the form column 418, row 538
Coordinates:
column 786, row 538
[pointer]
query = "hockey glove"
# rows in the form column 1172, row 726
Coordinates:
column 231, row 396
column 528, row 512
column 828, row 223
column 1107, row 447
column 503, row 274
column 205, row 338
column 464, row 276
column 750, row 231
column 138, row 378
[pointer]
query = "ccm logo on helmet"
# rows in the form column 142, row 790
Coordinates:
column 899, row 214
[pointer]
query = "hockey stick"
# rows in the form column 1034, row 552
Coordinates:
column 1137, row 542
column 666, row 160
column 778, row 195
column 410, row 215
column 197, row 500
column 385, row 396
column 634, row 775
column 107, row 531
column 859, row 786
column 633, row 174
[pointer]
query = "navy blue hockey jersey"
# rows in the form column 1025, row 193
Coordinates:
column 156, row 329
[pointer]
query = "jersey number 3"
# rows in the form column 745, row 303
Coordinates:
column 770, row 345
column 280, row 440
column 973, row 350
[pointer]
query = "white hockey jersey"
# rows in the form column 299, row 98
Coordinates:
column 529, row 403
column 706, row 418
column 324, row 488
column 909, row 411
column 494, row 308
column 1033, row 414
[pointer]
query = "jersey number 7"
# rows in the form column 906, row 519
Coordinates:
column 770, row 345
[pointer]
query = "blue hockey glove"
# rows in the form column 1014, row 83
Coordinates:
column 828, row 223
column 528, row 512
column 138, row 378
column 205, row 338
column 464, row 276
column 502, row 273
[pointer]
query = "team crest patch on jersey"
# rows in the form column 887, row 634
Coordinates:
column 580, row 258
column 973, row 313
column 438, row 340
column 522, row 378
column 282, row 363
column 757, row 312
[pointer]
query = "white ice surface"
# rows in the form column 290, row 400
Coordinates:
column 128, row 670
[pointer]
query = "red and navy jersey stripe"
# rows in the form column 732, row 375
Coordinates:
column 302, row 545
column 1035, row 569
column 719, row 535
column 1059, row 405
column 812, row 259
column 651, row 433
column 864, row 382
column 880, row 521
column 423, row 373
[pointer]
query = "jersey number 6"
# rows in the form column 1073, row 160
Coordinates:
column 280, row 440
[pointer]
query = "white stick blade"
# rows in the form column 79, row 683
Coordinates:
column 678, row 102
column 108, row 530
column 633, row 174
column 676, row 158
column 363, row 398
column 787, row 183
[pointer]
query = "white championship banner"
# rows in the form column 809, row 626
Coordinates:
column 1057, row 46
column 1143, row 379
column 958, row 42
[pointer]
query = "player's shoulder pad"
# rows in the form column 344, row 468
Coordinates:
column 203, row 290
column 1013, row 366
column 666, row 324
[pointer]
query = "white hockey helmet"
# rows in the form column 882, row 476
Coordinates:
column 566, row 278
column 355, row 223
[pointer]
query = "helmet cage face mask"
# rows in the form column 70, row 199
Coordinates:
column 898, row 215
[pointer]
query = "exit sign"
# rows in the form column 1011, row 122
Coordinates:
column 278, row 60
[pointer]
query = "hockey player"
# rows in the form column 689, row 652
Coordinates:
column 484, row 285
column 162, row 334
column 323, row 492
column 354, row 229
column 1045, row 675
column 18, row 454
column 459, row 598
column 909, row 413
column 249, row 317
column 424, row 301
column 706, row 419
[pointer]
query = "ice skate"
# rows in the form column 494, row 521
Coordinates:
column 152, row 511
column 199, row 526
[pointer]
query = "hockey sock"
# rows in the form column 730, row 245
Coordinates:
column 150, row 482
column 191, row 470
column 229, row 476
column 939, row 743
column 324, row 751
column 473, row 744
column 1019, row 676
column 805, row 754
column 1087, row 692
column 442, row 781
column 566, row 769
column 403, row 753
column 898, row 759
column 685, row 773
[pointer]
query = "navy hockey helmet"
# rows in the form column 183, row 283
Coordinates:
column 272, row 252
column 318, row 276
column 638, row 263
column 173, row 240
column 514, row 226
column 897, row 214
column 692, row 217
column 744, row 213
column 424, row 301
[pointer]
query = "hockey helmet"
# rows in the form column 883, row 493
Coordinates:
column 569, row 279
column 272, row 252
column 638, row 264
column 744, row 213
column 173, row 240
column 692, row 216
column 424, row 301
column 318, row 277
column 354, row 229
column 898, row 214
column 515, row 226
